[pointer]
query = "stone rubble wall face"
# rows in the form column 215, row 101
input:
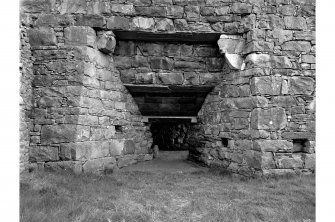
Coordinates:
column 168, row 63
column 77, row 90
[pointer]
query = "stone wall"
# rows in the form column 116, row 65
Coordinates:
column 168, row 63
column 253, row 122
column 81, row 117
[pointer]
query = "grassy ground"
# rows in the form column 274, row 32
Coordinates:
column 139, row 196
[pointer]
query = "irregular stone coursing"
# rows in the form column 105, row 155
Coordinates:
column 77, row 115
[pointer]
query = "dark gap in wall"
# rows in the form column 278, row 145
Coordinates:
column 224, row 142
column 170, row 135
column 118, row 129
column 300, row 145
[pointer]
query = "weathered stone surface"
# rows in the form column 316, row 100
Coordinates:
column 52, row 20
column 289, row 161
column 175, row 11
column 281, row 35
column 273, row 145
column 295, row 23
column 308, row 58
column 143, row 23
column 72, row 6
column 106, row 42
column 301, row 46
column 37, row 5
column 79, row 36
column 273, row 118
column 94, row 21
column 268, row 161
column 123, row 9
column 171, row 78
column 42, row 36
column 231, row 44
column 116, row 147
column 269, row 85
column 265, row 60
column 298, row 135
column 43, row 153
column 118, row 22
column 309, row 161
column 241, row 8
column 165, row 25
column 258, row 46
column 128, row 147
column 63, row 133
column 301, row 85
column 253, row 159
column 235, row 61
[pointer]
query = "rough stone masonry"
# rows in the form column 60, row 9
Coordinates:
column 77, row 56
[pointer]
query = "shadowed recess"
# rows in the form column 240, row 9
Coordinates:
column 169, row 100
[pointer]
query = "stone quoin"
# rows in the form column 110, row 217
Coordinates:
column 98, row 77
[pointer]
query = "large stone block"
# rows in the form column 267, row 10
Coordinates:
column 300, row 46
column 94, row 21
column 268, row 161
column 63, row 133
column 280, row 35
column 42, row 36
column 231, row 44
column 273, row 145
column 85, row 150
column 54, row 20
column 106, row 42
column 37, row 5
column 298, row 135
column 295, row 23
column 266, row 60
column 72, row 6
column 119, row 147
column 143, row 23
column 273, row 118
column 289, row 161
column 266, row 85
column 171, row 78
column 241, row 8
column 43, row 153
column 253, row 159
column 165, row 25
column 118, row 22
column 301, row 85
column 79, row 36
column 174, row 11
column 284, row 101
column 123, row 9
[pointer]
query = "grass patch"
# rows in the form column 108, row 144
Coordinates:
column 141, row 196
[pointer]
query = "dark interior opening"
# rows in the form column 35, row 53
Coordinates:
column 224, row 142
column 170, row 134
column 300, row 145
column 118, row 128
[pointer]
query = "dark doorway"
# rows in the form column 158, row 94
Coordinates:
column 170, row 134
